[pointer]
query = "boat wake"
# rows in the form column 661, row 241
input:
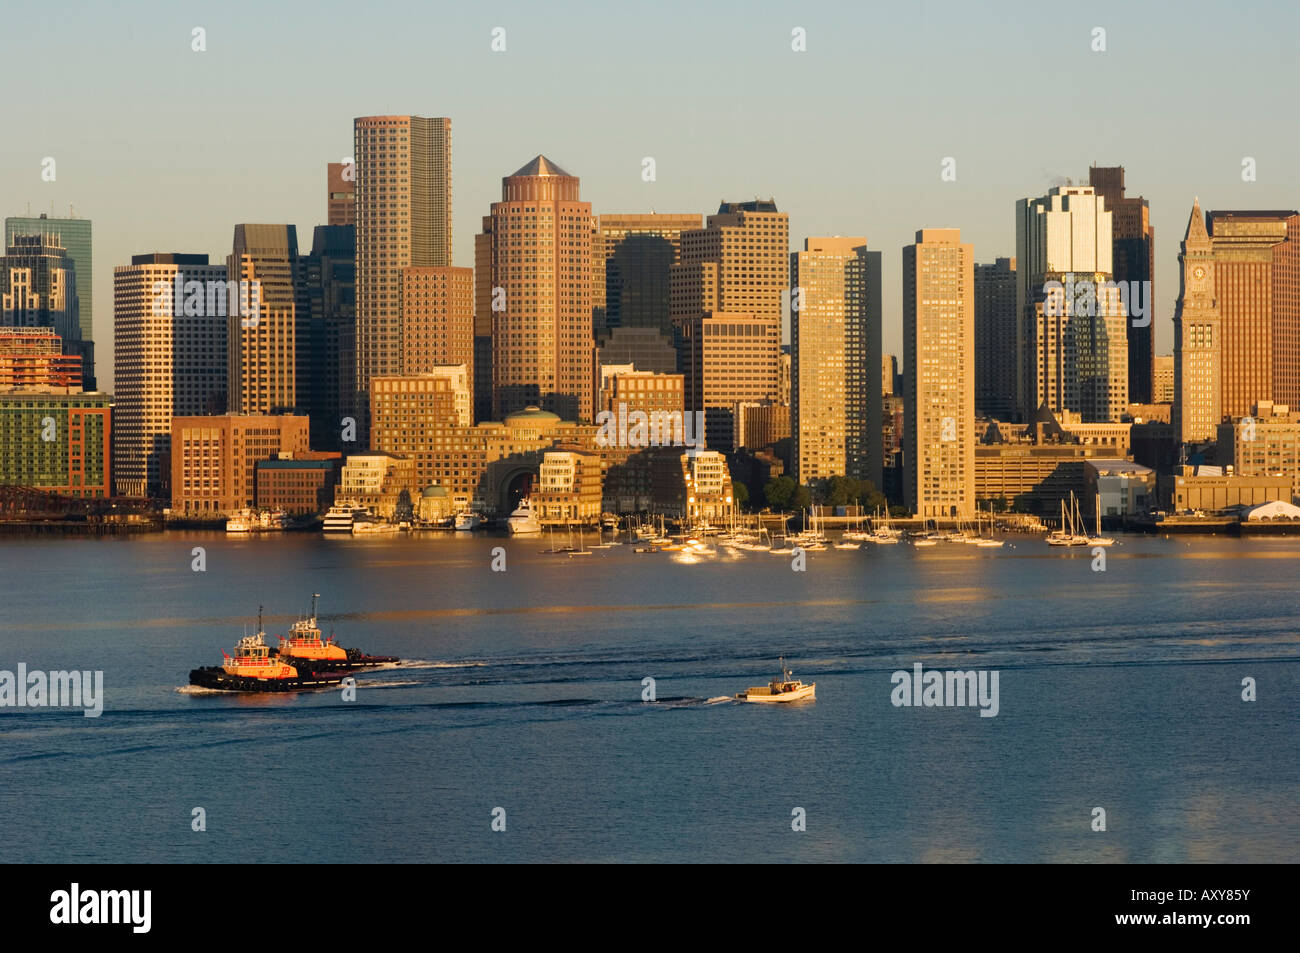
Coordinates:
column 426, row 663
column 719, row 699
column 200, row 690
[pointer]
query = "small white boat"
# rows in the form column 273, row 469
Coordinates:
column 783, row 689
column 341, row 516
column 522, row 521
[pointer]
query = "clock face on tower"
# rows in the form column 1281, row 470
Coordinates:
column 1198, row 273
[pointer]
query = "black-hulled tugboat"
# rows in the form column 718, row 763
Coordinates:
column 304, row 646
column 253, row 669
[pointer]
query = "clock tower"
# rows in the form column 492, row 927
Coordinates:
column 1198, row 346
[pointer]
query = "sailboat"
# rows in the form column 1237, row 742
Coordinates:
column 982, row 541
column 582, row 549
column 1068, row 534
column 1098, row 539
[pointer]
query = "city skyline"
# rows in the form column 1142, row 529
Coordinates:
column 769, row 141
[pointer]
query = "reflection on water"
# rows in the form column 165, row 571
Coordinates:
column 1119, row 690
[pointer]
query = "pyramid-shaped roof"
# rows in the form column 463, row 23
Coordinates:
column 1196, row 225
column 541, row 166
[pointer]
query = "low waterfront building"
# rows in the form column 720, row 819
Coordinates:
column 298, row 483
column 1208, row 490
column 693, row 486
column 1122, row 488
column 433, row 505
column 56, row 441
column 214, row 459
column 568, row 488
column 377, row 480
column 1264, row 443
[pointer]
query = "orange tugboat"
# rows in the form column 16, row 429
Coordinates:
column 305, row 646
column 252, row 669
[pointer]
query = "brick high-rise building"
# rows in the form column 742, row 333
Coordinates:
column 939, row 354
column 1133, row 259
column 995, row 339
column 341, row 194
column 403, row 217
column 167, row 365
column 268, row 355
column 536, row 245
column 1255, row 280
column 1198, row 338
column 437, row 318
column 835, row 327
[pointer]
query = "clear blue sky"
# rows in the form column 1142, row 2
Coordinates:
column 166, row 149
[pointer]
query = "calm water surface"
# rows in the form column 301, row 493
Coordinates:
column 1118, row 689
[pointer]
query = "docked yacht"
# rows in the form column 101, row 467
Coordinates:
column 522, row 521
column 342, row 515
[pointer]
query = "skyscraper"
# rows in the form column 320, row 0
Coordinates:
column 38, row 289
column 1257, row 306
column 166, row 365
column 1072, row 341
column 1133, row 259
column 269, row 353
column 1198, row 338
column 938, row 352
column 538, row 250
column 437, row 319
column 995, row 339
column 631, row 257
column 327, row 289
column 725, row 300
column 403, row 217
column 341, row 194
column 74, row 234
column 835, row 326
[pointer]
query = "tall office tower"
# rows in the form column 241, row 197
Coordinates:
column 738, row 262
column 403, row 214
column 736, row 265
column 1072, row 340
column 483, row 314
column 437, row 319
column 1286, row 316
column 166, row 364
column 1133, row 259
column 38, row 289
column 1198, row 338
column 74, row 234
column 539, row 256
column 835, row 346
column 728, row 358
column 889, row 371
column 939, row 353
column 1162, row 390
column 1253, row 256
column 327, row 288
column 341, row 194
column 631, row 257
column 268, row 352
column 995, row 339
